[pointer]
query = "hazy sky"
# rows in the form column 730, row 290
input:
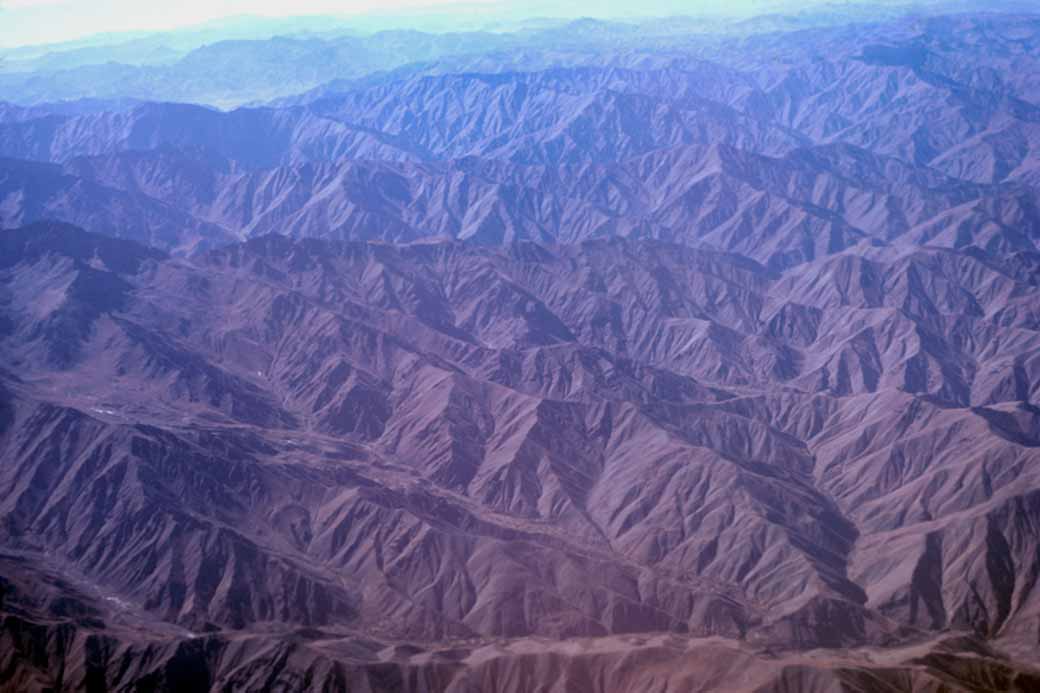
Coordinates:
column 25, row 22
column 37, row 21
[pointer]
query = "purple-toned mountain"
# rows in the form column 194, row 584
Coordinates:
column 646, row 362
column 783, row 161
column 361, row 445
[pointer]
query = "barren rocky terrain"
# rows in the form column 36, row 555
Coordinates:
column 713, row 365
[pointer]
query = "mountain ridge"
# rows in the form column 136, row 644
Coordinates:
column 404, row 367
column 633, row 361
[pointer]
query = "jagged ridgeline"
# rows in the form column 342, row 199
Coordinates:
column 592, row 357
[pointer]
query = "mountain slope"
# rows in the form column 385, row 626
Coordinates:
column 443, row 441
column 590, row 357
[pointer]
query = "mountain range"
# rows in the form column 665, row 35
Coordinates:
column 592, row 363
